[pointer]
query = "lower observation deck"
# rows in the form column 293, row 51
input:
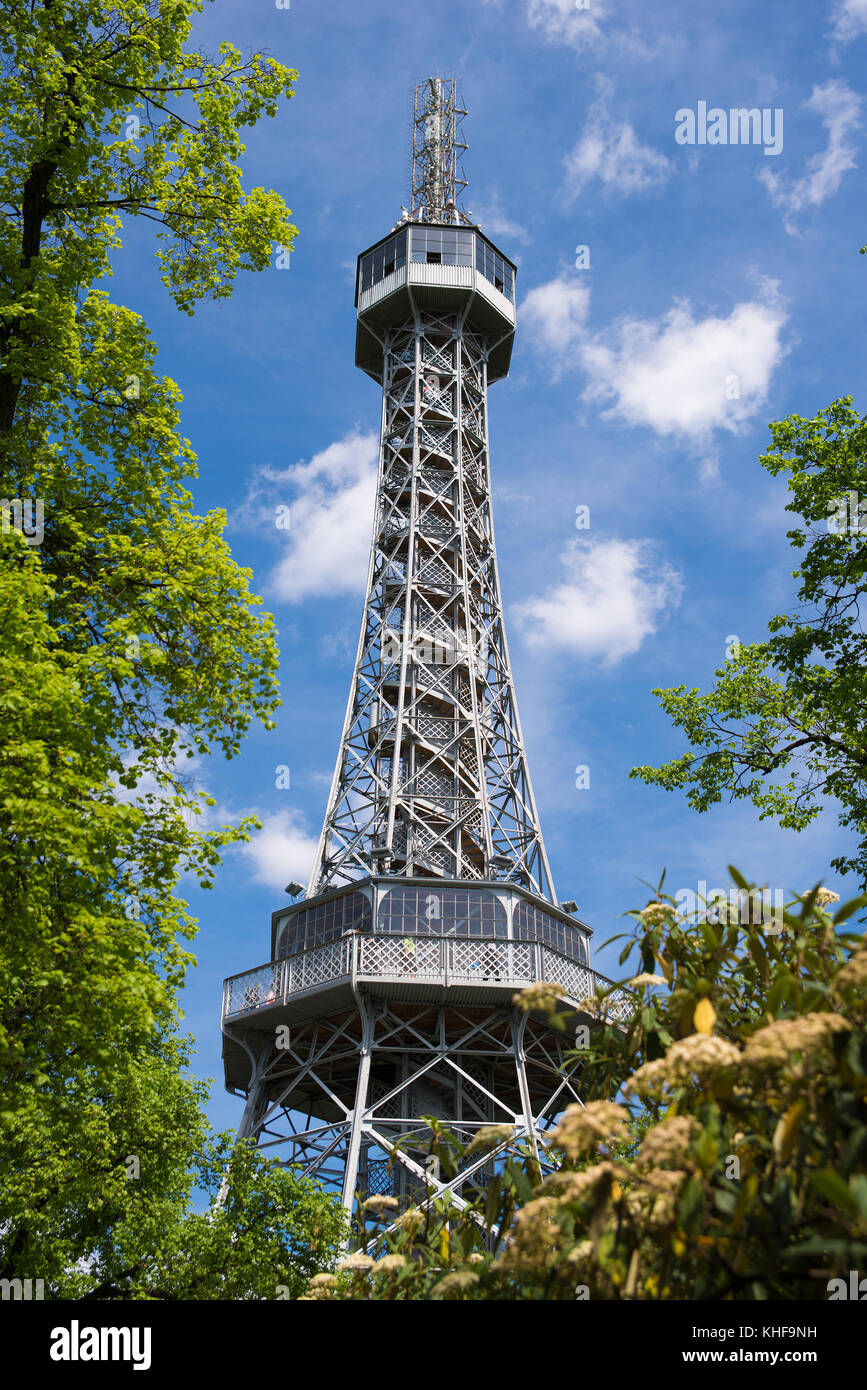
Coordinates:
column 439, row 970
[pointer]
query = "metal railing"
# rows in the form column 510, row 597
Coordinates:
column 432, row 960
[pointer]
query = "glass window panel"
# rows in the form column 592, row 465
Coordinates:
column 456, row 912
column 316, row 926
column 532, row 924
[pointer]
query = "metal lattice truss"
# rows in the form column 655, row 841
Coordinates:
column 371, row 1074
column 432, row 777
column 437, row 177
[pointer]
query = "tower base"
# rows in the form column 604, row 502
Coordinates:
column 345, row 1096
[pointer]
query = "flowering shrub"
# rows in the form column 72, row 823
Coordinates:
column 721, row 1150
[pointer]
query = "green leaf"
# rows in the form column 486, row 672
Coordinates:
column 846, row 910
column 829, row 1184
column 757, row 951
column 737, row 877
column 690, row 1206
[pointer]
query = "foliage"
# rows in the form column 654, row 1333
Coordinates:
column 141, row 583
column 130, row 646
column 106, row 1208
column 79, row 970
column 784, row 724
column 723, row 1154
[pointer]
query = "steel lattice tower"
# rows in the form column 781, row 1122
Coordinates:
column 389, row 993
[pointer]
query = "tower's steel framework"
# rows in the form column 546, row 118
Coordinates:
column 389, row 993
column 432, row 776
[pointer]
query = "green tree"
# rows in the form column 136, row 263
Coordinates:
column 129, row 643
column 155, row 646
column 142, row 583
column 103, row 1142
column 784, row 725
column 106, row 1208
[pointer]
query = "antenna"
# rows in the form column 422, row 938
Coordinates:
column 437, row 175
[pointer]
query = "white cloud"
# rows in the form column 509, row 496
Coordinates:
column 676, row 374
column 554, row 315
column 493, row 220
column 839, row 108
column 850, row 19
column 612, row 152
column 580, row 26
column 330, row 500
column 562, row 20
column 688, row 376
column 281, row 851
column 614, row 595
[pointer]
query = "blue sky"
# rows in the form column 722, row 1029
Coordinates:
column 707, row 263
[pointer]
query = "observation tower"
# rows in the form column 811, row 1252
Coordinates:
column 388, row 995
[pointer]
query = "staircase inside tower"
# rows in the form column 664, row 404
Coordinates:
column 435, row 551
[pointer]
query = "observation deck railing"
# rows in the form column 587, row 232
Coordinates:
column 435, row 961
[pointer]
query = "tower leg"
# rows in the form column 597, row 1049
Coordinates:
column 256, row 1096
column 519, row 1026
column 356, row 1119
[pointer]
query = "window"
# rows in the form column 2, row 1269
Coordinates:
column 383, row 260
column 315, row 925
column 495, row 269
column 437, row 245
column 442, row 246
column 436, row 911
column 531, row 924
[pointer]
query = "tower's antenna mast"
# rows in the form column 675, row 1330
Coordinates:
column 437, row 144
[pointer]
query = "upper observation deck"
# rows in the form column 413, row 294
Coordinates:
column 435, row 267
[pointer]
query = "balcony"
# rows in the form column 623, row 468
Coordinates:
column 473, row 971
